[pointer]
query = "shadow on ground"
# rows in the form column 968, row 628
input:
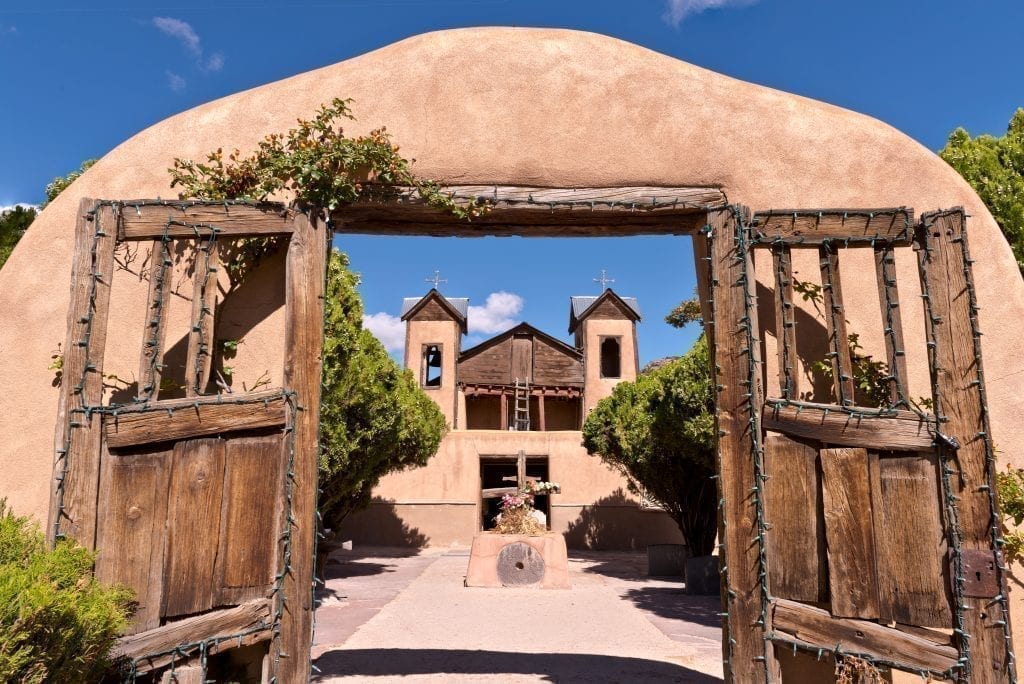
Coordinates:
column 676, row 604
column 553, row 667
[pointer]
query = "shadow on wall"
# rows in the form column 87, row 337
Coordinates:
column 380, row 525
column 556, row 667
column 616, row 523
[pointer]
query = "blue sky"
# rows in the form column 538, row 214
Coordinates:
column 80, row 77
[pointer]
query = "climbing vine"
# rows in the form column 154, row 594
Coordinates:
column 318, row 164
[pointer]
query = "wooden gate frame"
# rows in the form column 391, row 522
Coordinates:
column 101, row 224
column 726, row 281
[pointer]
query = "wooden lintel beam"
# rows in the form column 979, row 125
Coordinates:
column 149, row 219
column 522, row 226
column 176, row 419
column 810, row 228
column 219, row 624
column 815, row 628
column 900, row 431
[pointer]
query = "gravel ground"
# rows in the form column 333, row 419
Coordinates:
column 388, row 616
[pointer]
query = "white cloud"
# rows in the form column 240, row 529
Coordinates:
column 496, row 315
column 215, row 62
column 175, row 82
column 183, row 31
column 390, row 330
column 677, row 10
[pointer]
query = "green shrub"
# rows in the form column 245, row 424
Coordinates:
column 57, row 623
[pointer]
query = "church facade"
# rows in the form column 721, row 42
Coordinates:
column 515, row 405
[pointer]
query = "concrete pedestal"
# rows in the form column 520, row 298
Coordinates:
column 513, row 560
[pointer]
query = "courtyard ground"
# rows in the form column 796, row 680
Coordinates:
column 390, row 615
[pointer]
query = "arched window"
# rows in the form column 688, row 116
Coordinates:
column 611, row 358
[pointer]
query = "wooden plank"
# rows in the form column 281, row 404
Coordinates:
column 796, row 533
column 150, row 219
column 522, row 358
column 816, row 628
column 745, row 653
column 155, row 326
column 946, row 274
column 304, row 310
column 220, row 624
column 176, row 419
column 850, row 533
column 889, row 431
column 199, row 357
column 811, row 227
column 191, row 672
column 519, row 204
column 193, row 526
column 889, row 302
column 785, row 322
column 524, row 223
column 247, row 558
column 131, row 527
column 73, row 508
column 835, row 323
column 913, row 586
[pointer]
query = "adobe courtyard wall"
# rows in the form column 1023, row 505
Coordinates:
column 440, row 505
column 522, row 106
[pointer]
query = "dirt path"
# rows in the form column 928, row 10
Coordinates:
column 387, row 618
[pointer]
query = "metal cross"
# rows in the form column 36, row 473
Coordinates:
column 437, row 279
column 604, row 280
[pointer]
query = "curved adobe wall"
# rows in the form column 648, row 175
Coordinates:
column 513, row 106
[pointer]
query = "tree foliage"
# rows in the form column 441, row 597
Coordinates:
column 57, row 623
column 374, row 418
column 60, row 183
column 659, row 432
column 13, row 224
column 995, row 169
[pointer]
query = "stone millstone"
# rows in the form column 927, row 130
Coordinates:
column 520, row 564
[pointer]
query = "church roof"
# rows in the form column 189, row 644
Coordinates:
column 581, row 306
column 517, row 330
column 458, row 307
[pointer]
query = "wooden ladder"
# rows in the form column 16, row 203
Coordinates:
column 521, row 420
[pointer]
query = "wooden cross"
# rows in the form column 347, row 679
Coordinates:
column 520, row 480
column 437, row 279
column 604, row 280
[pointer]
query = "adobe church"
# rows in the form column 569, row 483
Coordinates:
column 514, row 405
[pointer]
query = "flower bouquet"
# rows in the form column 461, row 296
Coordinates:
column 518, row 516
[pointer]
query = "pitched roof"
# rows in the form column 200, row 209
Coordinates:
column 580, row 307
column 456, row 306
column 522, row 328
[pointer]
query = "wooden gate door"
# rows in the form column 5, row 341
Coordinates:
column 867, row 532
column 203, row 505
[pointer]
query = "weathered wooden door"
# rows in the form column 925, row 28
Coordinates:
column 203, row 505
column 866, row 532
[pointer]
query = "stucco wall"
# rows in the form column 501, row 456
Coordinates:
column 573, row 109
column 596, row 387
column 445, row 333
column 440, row 505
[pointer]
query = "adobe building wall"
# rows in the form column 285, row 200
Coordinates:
column 440, row 505
column 597, row 388
column 445, row 333
column 573, row 110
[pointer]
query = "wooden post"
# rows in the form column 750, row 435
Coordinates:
column 835, row 320
column 503, row 410
column 785, row 322
column 521, row 469
column 199, row 358
column 540, row 410
column 959, row 405
column 889, row 302
column 73, row 508
column 157, row 311
column 745, row 651
column 304, row 311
